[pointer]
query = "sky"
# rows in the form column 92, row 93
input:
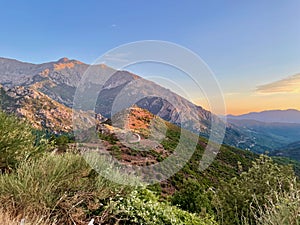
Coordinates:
column 252, row 47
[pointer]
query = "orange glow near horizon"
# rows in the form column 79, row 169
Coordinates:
column 241, row 103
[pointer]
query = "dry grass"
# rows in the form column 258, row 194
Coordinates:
column 7, row 219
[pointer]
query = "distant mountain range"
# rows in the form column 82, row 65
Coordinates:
column 271, row 116
column 265, row 136
column 276, row 131
column 44, row 94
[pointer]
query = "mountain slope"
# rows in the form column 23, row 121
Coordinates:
column 159, row 140
column 38, row 109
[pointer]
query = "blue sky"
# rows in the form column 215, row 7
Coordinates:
column 245, row 43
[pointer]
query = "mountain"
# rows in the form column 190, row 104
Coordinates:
column 44, row 94
column 267, row 130
column 106, row 91
column 271, row 116
column 59, row 80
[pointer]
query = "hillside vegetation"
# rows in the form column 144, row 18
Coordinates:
column 47, row 188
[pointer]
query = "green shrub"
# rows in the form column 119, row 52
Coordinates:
column 252, row 189
column 192, row 197
column 143, row 207
column 17, row 141
column 61, row 141
column 108, row 137
column 283, row 210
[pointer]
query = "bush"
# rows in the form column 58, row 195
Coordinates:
column 253, row 189
column 61, row 141
column 143, row 207
column 192, row 197
column 17, row 142
column 284, row 210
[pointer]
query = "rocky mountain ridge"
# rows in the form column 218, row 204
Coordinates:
column 57, row 83
column 59, row 80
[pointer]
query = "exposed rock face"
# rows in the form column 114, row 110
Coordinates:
column 40, row 110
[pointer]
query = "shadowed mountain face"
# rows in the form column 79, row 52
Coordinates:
column 124, row 89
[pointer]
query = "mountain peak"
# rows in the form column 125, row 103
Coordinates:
column 63, row 60
column 65, row 63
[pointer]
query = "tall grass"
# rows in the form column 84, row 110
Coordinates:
column 59, row 187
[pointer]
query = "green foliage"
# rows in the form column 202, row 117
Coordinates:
column 17, row 141
column 286, row 161
column 108, row 137
column 143, row 207
column 116, row 152
column 224, row 167
column 254, row 188
column 290, row 151
column 61, row 141
column 172, row 137
column 192, row 197
column 64, row 188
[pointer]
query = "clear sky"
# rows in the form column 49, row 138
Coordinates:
column 253, row 47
